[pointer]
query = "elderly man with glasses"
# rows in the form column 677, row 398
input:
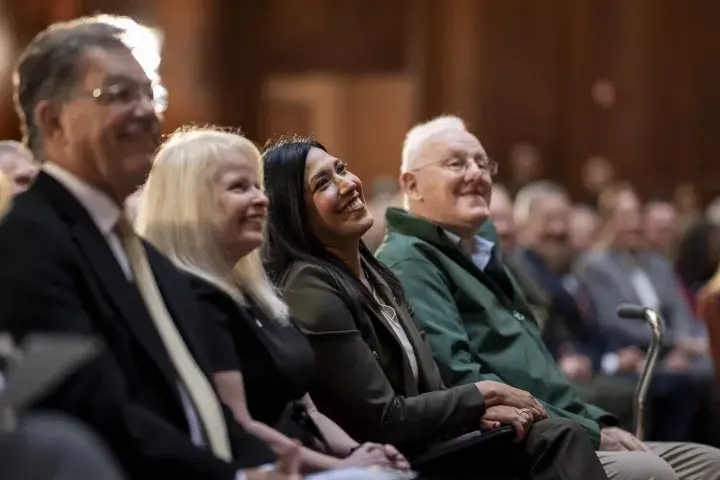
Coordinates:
column 446, row 254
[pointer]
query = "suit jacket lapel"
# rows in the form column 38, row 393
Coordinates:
column 116, row 288
column 177, row 305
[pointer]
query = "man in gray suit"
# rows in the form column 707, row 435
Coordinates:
column 623, row 270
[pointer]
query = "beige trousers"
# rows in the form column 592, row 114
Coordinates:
column 670, row 461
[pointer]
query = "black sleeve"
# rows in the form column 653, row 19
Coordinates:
column 215, row 327
column 39, row 281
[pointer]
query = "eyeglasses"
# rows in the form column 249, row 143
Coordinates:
column 461, row 164
column 125, row 93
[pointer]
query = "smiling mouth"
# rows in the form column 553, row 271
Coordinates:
column 353, row 205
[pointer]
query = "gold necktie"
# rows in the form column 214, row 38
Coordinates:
column 195, row 382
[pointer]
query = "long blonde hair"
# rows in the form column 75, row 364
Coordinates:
column 178, row 207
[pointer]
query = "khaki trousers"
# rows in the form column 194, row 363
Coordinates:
column 669, row 461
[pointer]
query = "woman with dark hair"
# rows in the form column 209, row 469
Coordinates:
column 375, row 374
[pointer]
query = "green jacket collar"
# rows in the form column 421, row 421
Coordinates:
column 405, row 223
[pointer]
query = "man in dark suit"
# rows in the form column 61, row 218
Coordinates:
column 90, row 117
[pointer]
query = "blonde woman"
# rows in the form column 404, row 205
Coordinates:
column 204, row 207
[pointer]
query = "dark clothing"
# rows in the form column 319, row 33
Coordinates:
column 276, row 361
column 364, row 380
column 59, row 275
column 54, row 447
column 569, row 326
column 557, row 448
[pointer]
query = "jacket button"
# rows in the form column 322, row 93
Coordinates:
column 375, row 354
column 518, row 316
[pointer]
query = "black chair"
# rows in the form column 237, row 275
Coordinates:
column 464, row 453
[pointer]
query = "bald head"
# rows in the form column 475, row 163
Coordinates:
column 17, row 164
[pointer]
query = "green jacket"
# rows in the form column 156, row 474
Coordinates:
column 475, row 330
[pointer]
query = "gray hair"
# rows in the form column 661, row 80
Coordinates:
column 420, row 134
column 529, row 194
column 48, row 68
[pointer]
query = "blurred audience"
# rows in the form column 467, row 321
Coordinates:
column 18, row 165
column 662, row 232
column 601, row 374
column 583, row 228
column 623, row 270
column 597, row 174
column 525, row 166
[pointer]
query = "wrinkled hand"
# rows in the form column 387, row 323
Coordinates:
column 496, row 394
column 519, row 418
column 368, row 455
column 287, row 467
column 613, row 439
column 630, row 359
column 576, row 367
column 678, row 361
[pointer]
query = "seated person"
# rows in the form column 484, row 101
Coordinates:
column 604, row 377
column 203, row 206
column 375, row 374
column 444, row 251
column 575, row 351
column 622, row 270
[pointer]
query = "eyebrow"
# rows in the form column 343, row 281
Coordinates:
column 323, row 171
column 114, row 78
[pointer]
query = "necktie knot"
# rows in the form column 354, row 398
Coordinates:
column 124, row 228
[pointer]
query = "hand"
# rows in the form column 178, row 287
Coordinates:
column 367, row 455
column 613, row 439
column 399, row 462
column 576, row 367
column 287, row 467
column 496, row 393
column 694, row 347
column 678, row 361
column 520, row 418
column 630, row 359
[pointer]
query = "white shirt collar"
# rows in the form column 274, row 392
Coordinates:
column 103, row 211
column 480, row 252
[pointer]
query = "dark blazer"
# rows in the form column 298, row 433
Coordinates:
column 363, row 380
column 58, row 274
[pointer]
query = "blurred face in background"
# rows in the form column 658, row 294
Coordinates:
column 546, row 231
column 662, row 230
column 501, row 214
column 452, row 184
column 583, row 226
column 19, row 169
column 626, row 222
